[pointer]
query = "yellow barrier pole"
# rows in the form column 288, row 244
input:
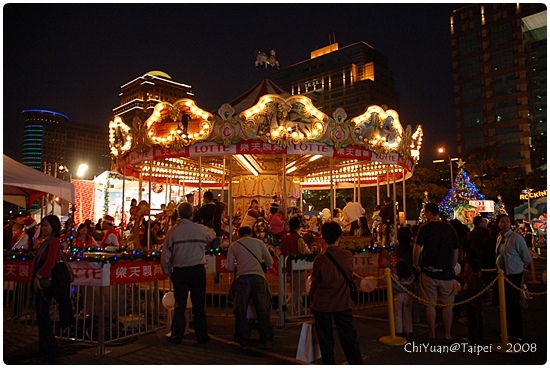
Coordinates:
column 391, row 340
column 503, row 346
column 534, row 280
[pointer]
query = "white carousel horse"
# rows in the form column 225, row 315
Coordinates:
column 266, row 59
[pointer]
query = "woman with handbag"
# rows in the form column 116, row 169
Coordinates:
column 331, row 298
column 46, row 284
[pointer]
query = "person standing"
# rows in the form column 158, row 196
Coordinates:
column 352, row 212
column 474, row 308
column 292, row 243
column 245, row 256
column 111, row 237
column 205, row 214
column 437, row 243
column 183, row 261
column 387, row 217
column 403, row 302
column 512, row 257
column 476, row 237
column 43, row 290
column 331, row 299
column 13, row 230
column 82, row 239
column 26, row 238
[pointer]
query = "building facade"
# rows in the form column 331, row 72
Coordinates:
column 351, row 77
column 51, row 140
column 499, row 75
column 139, row 96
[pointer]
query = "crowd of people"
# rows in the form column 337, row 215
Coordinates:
column 432, row 259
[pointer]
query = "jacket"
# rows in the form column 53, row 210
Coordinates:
column 512, row 253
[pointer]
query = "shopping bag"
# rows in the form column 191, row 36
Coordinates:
column 308, row 346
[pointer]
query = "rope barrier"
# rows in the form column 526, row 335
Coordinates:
column 427, row 302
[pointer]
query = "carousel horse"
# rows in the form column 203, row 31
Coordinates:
column 266, row 59
column 141, row 211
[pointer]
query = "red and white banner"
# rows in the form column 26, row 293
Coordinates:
column 17, row 270
column 130, row 272
column 90, row 273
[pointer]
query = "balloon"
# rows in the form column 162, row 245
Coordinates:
column 168, row 300
column 369, row 283
column 457, row 268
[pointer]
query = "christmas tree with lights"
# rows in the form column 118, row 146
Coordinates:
column 457, row 202
column 422, row 217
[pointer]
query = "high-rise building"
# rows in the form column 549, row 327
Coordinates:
column 499, row 74
column 139, row 96
column 51, row 140
column 352, row 77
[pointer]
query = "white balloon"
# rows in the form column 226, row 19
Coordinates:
column 168, row 300
column 369, row 283
column 457, row 268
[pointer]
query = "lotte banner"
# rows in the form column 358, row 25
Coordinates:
column 128, row 272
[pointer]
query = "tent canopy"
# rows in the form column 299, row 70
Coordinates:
column 23, row 185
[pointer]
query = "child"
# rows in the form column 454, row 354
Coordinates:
column 474, row 308
column 402, row 300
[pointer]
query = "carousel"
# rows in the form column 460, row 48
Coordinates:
column 271, row 148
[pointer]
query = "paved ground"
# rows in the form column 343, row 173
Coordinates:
column 154, row 349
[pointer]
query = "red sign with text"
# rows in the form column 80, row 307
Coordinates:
column 128, row 272
column 17, row 270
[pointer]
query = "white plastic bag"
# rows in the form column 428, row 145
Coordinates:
column 308, row 346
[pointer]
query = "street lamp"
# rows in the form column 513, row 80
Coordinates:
column 442, row 150
column 81, row 170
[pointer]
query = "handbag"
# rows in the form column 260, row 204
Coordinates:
column 262, row 264
column 352, row 287
column 308, row 346
column 62, row 271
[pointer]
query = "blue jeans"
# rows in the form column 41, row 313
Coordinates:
column 252, row 287
column 190, row 279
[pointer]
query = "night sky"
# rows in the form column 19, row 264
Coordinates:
column 74, row 58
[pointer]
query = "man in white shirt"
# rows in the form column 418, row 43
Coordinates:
column 352, row 212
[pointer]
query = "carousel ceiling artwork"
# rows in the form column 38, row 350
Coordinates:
column 279, row 134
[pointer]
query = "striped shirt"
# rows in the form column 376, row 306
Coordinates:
column 184, row 245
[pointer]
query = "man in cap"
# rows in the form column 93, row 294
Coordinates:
column 111, row 238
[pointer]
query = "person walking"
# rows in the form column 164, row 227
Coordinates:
column 331, row 299
column 512, row 257
column 352, row 212
column 245, row 256
column 437, row 243
column 183, row 261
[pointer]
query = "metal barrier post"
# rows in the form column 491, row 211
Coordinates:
column 391, row 340
column 503, row 346
column 534, row 280
column 282, row 294
column 101, row 327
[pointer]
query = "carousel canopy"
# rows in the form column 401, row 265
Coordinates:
column 269, row 135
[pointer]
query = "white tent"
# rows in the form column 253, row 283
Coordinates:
column 23, row 185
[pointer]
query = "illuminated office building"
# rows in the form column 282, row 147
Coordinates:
column 352, row 77
column 499, row 74
column 51, row 140
column 139, row 96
